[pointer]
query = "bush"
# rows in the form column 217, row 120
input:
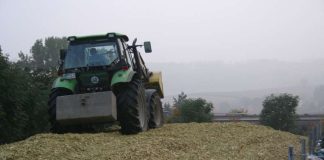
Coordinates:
column 196, row 110
column 279, row 112
column 191, row 110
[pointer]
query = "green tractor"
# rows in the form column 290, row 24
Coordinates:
column 101, row 80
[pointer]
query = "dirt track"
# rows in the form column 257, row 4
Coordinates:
column 174, row 141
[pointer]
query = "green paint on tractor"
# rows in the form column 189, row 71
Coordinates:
column 64, row 83
column 122, row 76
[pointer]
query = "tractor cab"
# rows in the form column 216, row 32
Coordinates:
column 91, row 55
column 92, row 61
column 97, row 51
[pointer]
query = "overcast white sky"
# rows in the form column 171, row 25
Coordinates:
column 180, row 30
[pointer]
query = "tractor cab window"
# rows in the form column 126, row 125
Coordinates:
column 87, row 55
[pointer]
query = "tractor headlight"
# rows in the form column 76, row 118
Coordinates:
column 69, row 76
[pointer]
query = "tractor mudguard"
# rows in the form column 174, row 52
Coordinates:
column 64, row 83
column 155, row 82
column 122, row 76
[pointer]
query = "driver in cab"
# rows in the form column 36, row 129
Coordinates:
column 95, row 58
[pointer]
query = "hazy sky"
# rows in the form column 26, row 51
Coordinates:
column 180, row 30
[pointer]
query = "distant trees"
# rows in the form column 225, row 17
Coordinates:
column 191, row 110
column 45, row 55
column 177, row 102
column 279, row 112
column 22, row 106
column 24, row 89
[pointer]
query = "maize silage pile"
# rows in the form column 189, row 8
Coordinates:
column 173, row 141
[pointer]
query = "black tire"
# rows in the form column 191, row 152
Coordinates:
column 156, row 111
column 55, row 126
column 132, row 112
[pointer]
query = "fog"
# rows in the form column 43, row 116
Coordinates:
column 246, row 84
column 181, row 31
column 241, row 76
column 206, row 46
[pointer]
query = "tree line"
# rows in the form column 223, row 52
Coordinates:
column 24, row 89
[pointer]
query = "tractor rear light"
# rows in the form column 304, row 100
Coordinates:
column 124, row 68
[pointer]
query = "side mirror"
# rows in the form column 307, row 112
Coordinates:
column 62, row 54
column 147, row 47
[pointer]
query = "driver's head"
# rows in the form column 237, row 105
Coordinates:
column 111, row 53
column 93, row 51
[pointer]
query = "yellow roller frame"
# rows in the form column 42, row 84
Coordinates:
column 155, row 82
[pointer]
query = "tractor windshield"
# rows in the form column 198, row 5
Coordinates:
column 87, row 54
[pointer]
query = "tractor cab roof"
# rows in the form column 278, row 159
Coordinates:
column 99, row 36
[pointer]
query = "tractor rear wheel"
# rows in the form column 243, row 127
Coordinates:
column 132, row 112
column 156, row 112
